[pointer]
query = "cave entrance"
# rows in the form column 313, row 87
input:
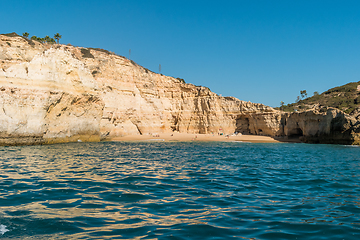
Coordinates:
column 296, row 133
column 242, row 125
column 174, row 126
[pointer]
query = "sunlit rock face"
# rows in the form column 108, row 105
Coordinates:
column 58, row 93
column 47, row 95
column 138, row 101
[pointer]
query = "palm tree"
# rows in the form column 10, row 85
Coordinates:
column 26, row 34
column 57, row 37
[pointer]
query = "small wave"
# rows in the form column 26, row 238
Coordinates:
column 3, row 229
column 156, row 140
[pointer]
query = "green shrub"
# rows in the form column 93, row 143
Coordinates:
column 101, row 50
column 350, row 87
column 35, row 38
column 86, row 53
column 181, row 80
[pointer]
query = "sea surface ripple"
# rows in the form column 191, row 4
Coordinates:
column 180, row 190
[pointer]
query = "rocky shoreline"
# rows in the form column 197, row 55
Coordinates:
column 52, row 93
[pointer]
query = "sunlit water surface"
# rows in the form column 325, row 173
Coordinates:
column 159, row 190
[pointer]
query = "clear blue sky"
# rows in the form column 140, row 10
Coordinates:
column 258, row 51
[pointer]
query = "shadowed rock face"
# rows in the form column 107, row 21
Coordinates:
column 57, row 93
column 326, row 125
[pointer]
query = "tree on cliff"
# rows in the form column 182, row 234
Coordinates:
column 57, row 37
column 26, row 34
column 49, row 39
column 37, row 38
column 303, row 93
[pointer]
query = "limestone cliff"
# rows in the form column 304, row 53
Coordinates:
column 58, row 93
column 322, row 125
column 318, row 125
column 47, row 95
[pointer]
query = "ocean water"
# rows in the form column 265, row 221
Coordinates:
column 180, row 190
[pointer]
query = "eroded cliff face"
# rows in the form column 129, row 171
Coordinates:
column 46, row 95
column 138, row 101
column 58, row 93
column 322, row 125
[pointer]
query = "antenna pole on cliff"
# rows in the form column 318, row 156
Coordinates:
column 129, row 54
column 159, row 68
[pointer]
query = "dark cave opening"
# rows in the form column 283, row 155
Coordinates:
column 296, row 133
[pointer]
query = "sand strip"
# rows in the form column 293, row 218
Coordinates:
column 182, row 137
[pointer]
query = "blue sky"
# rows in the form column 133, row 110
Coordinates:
column 255, row 50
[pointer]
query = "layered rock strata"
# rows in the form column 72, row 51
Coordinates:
column 318, row 125
column 57, row 93
column 46, row 95
column 324, row 125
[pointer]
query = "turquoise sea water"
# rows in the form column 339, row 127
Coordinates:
column 193, row 190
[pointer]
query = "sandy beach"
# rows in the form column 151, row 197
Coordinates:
column 169, row 137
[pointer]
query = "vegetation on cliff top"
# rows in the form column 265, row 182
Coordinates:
column 14, row 34
column 86, row 53
column 25, row 35
column 345, row 98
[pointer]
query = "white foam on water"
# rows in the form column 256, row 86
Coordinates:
column 3, row 229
